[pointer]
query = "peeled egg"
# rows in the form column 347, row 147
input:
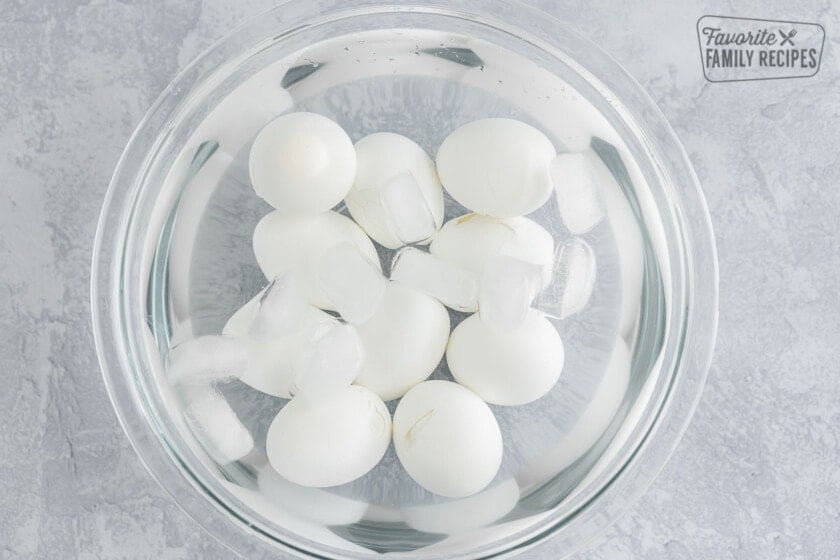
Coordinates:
column 470, row 240
column 295, row 242
column 506, row 368
column 302, row 162
column 404, row 341
column 329, row 441
column 274, row 362
column 447, row 439
column 498, row 167
column 381, row 157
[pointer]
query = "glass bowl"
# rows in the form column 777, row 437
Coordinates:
column 173, row 260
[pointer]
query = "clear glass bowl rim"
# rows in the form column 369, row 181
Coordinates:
column 109, row 326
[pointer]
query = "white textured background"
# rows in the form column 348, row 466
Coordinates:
column 758, row 473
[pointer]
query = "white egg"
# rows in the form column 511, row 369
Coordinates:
column 379, row 158
column 447, row 439
column 302, row 162
column 510, row 368
column 353, row 282
column 295, row 242
column 274, row 362
column 329, row 441
column 470, row 240
column 404, row 341
column 498, row 167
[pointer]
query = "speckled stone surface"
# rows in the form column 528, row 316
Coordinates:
column 757, row 475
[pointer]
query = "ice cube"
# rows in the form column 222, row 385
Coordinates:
column 575, row 269
column 282, row 307
column 351, row 281
column 331, row 362
column 207, row 358
column 217, row 428
column 450, row 284
column 576, row 191
column 409, row 215
column 274, row 360
column 506, row 290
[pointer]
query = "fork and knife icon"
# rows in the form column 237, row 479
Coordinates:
column 787, row 38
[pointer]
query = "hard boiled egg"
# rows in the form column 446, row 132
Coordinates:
column 447, row 439
column 470, row 240
column 329, row 441
column 498, row 167
column 506, row 368
column 302, row 162
column 404, row 341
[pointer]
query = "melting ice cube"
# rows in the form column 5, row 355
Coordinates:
column 282, row 307
column 217, row 428
column 207, row 358
column 506, row 290
column 575, row 268
column 409, row 215
column 450, row 284
column 576, row 191
column 331, row 362
column 353, row 283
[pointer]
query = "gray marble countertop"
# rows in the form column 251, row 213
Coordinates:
column 757, row 475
